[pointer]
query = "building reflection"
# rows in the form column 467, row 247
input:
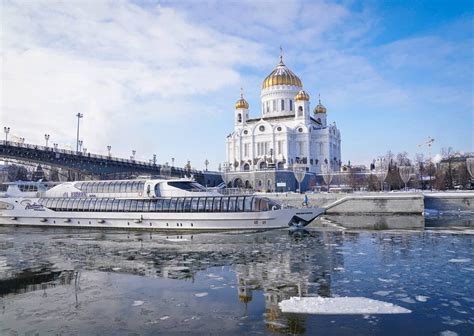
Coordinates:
column 289, row 273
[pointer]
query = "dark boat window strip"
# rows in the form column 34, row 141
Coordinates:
column 180, row 204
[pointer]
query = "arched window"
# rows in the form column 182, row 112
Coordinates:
column 291, row 105
column 283, row 105
column 274, row 105
column 239, row 118
column 300, row 111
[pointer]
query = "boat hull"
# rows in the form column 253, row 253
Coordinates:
column 40, row 216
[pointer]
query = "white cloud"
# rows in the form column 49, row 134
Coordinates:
column 110, row 61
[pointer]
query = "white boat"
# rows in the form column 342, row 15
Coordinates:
column 180, row 204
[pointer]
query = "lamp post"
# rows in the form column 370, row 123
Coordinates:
column 172, row 162
column 46, row 137
column 6, row 130
column 206, row 163
column 108, row 149
column 80, row 142
column 55, row 145
column 79, row 116
column 22, row 141
column 133, row 154
column 154, row 159
column 84, row 150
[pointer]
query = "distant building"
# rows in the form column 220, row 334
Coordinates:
column 287, row 134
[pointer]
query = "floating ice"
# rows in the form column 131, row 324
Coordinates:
column 382, row 293
column 137, row 303
column 459, row 260
column 422, row 298
column 340, row 305
column 448, row 333
column 164, row 318
column 201, row 294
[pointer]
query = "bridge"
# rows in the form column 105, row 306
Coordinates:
column 98, row 165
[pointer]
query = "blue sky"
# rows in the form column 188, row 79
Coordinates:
column 163, row 76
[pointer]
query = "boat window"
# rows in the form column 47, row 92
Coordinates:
column 217, row 204
column 187, row 204
column 158, row 205
column 128, row 186
column 166, row 205
column 202, row 204
column 180, row 205
column 123, row 187
column 209, row 204
column 240, row 204
column 225, row 204
column 255, row 204
column 172, row 207
column 74, row 204
column 187, row 185
column 100, row 187
column 133, row 205
column 248, row 203
column 264, row 204
column 127, row 205
column 98, row 204
column 108, row 205
column 80, row 205
column 94, row 186
column 87, row 204
column 232, row 203
column 140, row 205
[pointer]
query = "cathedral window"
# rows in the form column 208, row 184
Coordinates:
column 300, row 130
column 274, row 105
column 268, row 106
column 239, row 118
column 261, row 128
column 279, row 129
column 300, row 111
column 246, row 132
column 282, row 105
column 291, row 105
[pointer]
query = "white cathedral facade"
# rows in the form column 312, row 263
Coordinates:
column 288, row 133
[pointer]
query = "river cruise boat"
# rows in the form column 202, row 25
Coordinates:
column 180, row 204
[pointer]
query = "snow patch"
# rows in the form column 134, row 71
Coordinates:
column 201, row 294
column 137, row 303
column 339, row 305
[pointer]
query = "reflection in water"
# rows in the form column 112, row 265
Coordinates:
column 258, row 270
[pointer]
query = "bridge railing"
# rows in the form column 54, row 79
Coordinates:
column 90, row 155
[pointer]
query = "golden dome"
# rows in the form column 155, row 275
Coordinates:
column 302, row 95
column 320, row 107
column 241, row 103
column 281, row 75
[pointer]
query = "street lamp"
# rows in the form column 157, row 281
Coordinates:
column 22, row 141
column 80, row 142
column 108, row 149
column 154, row 159
column 46, row 137
column 206, row 163
column 84, row 150
column 79, row 116
column 133, row 154
column 172, row 162
column 55, row 146
column 6, row 130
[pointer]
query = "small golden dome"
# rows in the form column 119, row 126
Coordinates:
column 320, row 107
column 302, row 95
column 241, row 103
column 281, row 75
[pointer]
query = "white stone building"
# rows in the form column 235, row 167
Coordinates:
column 286, row 133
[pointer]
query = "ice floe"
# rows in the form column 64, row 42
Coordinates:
column 201, row 294
column 422, row 298
column 460, row 260
column 137, row 303
column 339, row 305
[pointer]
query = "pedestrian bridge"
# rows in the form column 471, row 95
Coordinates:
column 94, row 164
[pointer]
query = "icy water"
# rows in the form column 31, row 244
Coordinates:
column 64, row 282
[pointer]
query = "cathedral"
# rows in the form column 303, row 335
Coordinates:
column 262, row 152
